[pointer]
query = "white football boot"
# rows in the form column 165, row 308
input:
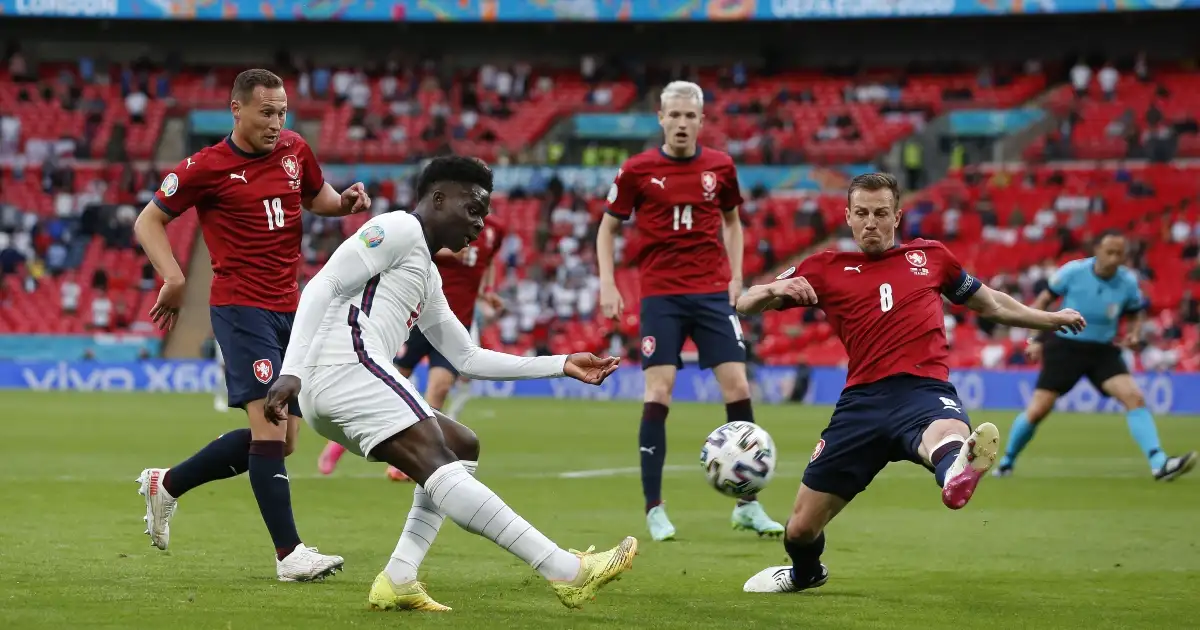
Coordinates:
column 304, row 564
column 160, row 506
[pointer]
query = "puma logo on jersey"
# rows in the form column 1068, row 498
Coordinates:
column 858, row 269
column 662, row 183
column 242, row 177
column 189, row 164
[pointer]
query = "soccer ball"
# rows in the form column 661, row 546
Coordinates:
column 738, row 459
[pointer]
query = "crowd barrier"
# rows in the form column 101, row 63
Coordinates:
column 978, row 389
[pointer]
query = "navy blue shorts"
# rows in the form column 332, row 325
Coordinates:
column 417, row 348
column 253, row 341
column 668, row 320
column 875, row 424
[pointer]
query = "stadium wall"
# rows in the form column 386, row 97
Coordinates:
column 978, row 389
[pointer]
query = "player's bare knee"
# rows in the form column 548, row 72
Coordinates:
column 731, row 377
column 802, row 530
column 1132, row 400
column 461, row 440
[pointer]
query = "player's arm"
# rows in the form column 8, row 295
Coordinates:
column 454, row 342
column 348, row 270
column 1136, row 306
column 776, row 296
column 330, row 203
column 734, row 249
column 622, row 197
column 730, row 201
column 1004, row 309
column 320, row 198
column 180, row 190
column 151, row 231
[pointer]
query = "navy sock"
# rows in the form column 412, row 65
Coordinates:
column 225, row 457
column 652, row 446
column 741, row 411
column 806, row 558
column 943, row 458
column 272, row 489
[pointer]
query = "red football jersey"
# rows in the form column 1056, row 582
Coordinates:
column 680, row 205
column 461, row 277
column 249, row 207
column 887, row 309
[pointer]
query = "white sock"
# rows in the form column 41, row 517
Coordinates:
column 458, row 399
column 478, row 510
column 421, row 528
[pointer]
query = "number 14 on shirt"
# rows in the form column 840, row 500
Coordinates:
column 683, row 216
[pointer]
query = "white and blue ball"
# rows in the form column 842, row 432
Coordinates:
column 738, row 459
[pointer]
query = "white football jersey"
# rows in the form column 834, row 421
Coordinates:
column 364, row 302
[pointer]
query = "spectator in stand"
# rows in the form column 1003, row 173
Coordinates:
column 1081, row 78
column 69, row 293
column 135, row 105
column 1109, row 78
column 102, row 308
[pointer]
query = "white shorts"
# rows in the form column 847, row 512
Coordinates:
column 359, row 405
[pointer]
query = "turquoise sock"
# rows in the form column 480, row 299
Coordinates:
column 1018, row 437
column 1145, row 433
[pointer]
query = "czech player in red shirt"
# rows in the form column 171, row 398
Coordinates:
column 467, row 276
column 248, row 190
column 686, row 200
column 885, row 302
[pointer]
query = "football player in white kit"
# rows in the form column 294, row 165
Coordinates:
column 354, row 316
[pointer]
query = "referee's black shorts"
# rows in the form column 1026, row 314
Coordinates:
column 1065, row 361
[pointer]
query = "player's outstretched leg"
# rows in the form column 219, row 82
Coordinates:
column 960, row 460
column 1024, row 427
column 575, row 577
column 330, row 455
column 804, row 542
column 748, row 514
column 225, row 457
column 396, row 587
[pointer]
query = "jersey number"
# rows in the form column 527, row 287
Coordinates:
column 683, row 216
column 274, row 208
column 885, row 297
column 471, row 257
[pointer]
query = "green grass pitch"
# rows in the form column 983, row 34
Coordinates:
column 1080, row 538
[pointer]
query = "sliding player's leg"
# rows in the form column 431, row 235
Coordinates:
column 376, row 412
column 421, row 452
column 421, row 528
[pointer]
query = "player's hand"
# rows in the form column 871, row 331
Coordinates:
column 355, row 199
column 589, row 368
column 493, row 300
column 736, row 286
column 170, row 298
column 796, row 290
column 611, row 304
column 1133, row 340
column 1067, row 320
column 1033, row 352
column 282, row 392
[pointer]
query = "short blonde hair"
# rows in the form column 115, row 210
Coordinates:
column 682, row 89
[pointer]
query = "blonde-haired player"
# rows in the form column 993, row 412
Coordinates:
column 686, row 199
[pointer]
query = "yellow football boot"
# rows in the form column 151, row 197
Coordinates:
column 408, row 596
column 596, row 570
